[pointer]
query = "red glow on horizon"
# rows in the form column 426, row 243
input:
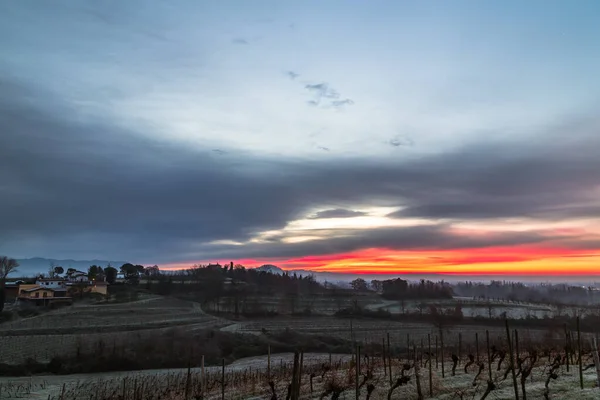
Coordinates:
column 493, row 261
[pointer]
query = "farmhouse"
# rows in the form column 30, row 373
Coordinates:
column 49, row 291
column 42, row 296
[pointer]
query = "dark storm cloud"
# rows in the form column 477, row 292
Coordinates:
column 338, row 213
column 91, row 188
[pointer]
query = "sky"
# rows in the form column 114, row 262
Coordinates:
column 399, row 137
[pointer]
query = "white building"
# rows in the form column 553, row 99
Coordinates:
column 78, row 276
column 51, row 283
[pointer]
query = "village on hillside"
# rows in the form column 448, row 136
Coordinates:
column 58, row 288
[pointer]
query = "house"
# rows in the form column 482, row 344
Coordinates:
column 42, row 296
column 79, row 281
column 77, row 276
column 51, row 283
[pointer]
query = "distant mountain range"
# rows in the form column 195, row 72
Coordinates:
column 38, row 265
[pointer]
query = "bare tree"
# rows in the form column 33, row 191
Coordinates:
column 7, row 266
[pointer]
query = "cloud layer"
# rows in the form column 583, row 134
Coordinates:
column 93, row 189
column 192, row 140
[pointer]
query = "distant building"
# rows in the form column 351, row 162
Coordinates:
column 51, row 283
column 77, row 276
column 49, row 291
column 43, row 296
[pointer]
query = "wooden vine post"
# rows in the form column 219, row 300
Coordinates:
column 383, row 356
column 567, row 346
column 223, row 380
column 579, row 354
column 389, row 353
column 268, row 362
column 477, row 345
column 512, row 360
column 489, row 354
column 442, row 351
column 357, row 372
column 459, row 346
column 202, row 378
column 430, row 367
column 596, row 359
column 417, row 374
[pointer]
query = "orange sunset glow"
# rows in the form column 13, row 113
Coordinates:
column 565, row 247
column 499, row 261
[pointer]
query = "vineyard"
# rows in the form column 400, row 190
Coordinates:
column 79, row 328
column 373, row 330
column 474, row 365
column 391, row 359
